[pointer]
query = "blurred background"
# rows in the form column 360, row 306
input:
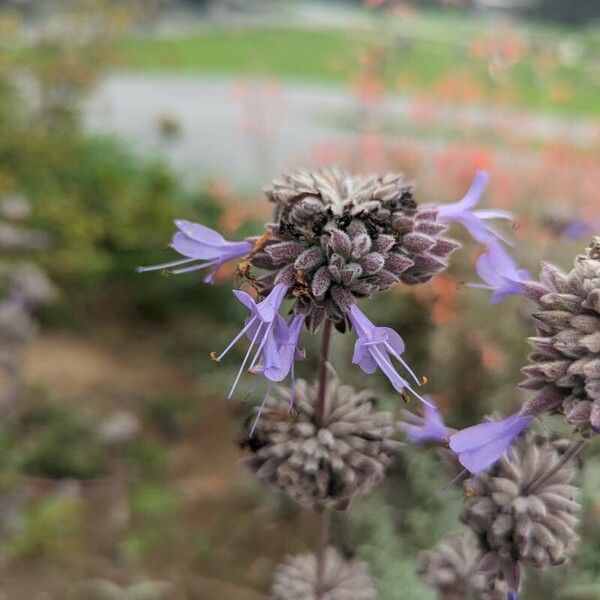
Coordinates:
column 118, row 469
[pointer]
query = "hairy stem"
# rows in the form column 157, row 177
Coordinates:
column 324, row 517
column 322, row 543
column 571, row 452
column 323, row 358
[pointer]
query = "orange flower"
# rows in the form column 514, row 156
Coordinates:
column 369, row 88
column 493, row 357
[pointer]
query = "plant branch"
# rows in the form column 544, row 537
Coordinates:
column 323, row 541
column 323, row 358
column 324, row 518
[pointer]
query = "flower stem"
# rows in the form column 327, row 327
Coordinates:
column 325, row 516
column 571, row 452
column 323, row 358
column 322, row 543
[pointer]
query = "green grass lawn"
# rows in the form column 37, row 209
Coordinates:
column 295, row 53
column 427, row 49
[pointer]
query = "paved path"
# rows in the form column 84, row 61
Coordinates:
column 250, row 131
column 227, row 128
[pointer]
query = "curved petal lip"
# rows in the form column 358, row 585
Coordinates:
column 200, row 233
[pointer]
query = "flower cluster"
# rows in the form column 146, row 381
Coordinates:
column 344, row 578
column 321, row 465
column 339, row 237
column 453, row 568
column 564, row 368
column 565, row 364
column 336, row 239
column 523, row 509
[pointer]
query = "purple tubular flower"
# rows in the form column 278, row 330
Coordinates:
column 500, row 273
column 481, row 445
column 474, row 220
column 264, row 327
column 430, row 427
column 280, row 357
column 203, row 248
column 374, row 347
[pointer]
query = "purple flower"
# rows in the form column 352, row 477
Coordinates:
column 428, row 428
column 281, row 356
column 203, row 248
column 481, row 445
column 264, row 327
column 500, row 273
column 374, row 348
column 474, row 220
column 578, row 229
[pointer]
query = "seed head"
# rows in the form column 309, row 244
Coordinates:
column 343, row 579
column 452, row 567
column 521, row 520
column 565, row 364
column 321, row 466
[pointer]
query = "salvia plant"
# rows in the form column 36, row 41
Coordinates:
column 24, row 288
column 335, row 241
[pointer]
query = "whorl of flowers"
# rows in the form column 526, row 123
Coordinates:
column 337, row 237
column 334, row 239
column 452, row 568
column 565, row 365
column 522, row 514
column 321, row 466
column 343, row 579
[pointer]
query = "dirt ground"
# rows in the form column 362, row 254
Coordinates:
column 226, row 534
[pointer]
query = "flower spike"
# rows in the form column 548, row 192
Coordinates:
column 474, row 220
column 203, row 248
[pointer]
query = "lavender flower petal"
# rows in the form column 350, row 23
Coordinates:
column 203, row 248
column 375, row 347
column 264, row 327
column 481, row 445
column 500, row 274
column 429, row 428
column 474, row 221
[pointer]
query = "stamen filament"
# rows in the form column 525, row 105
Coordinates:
column 402, row 362
column 197, row 267
column 388, row 364
column 167, row 265
column 261, row 346
column 244, row 362
column 235, row 339
column 259, row 413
